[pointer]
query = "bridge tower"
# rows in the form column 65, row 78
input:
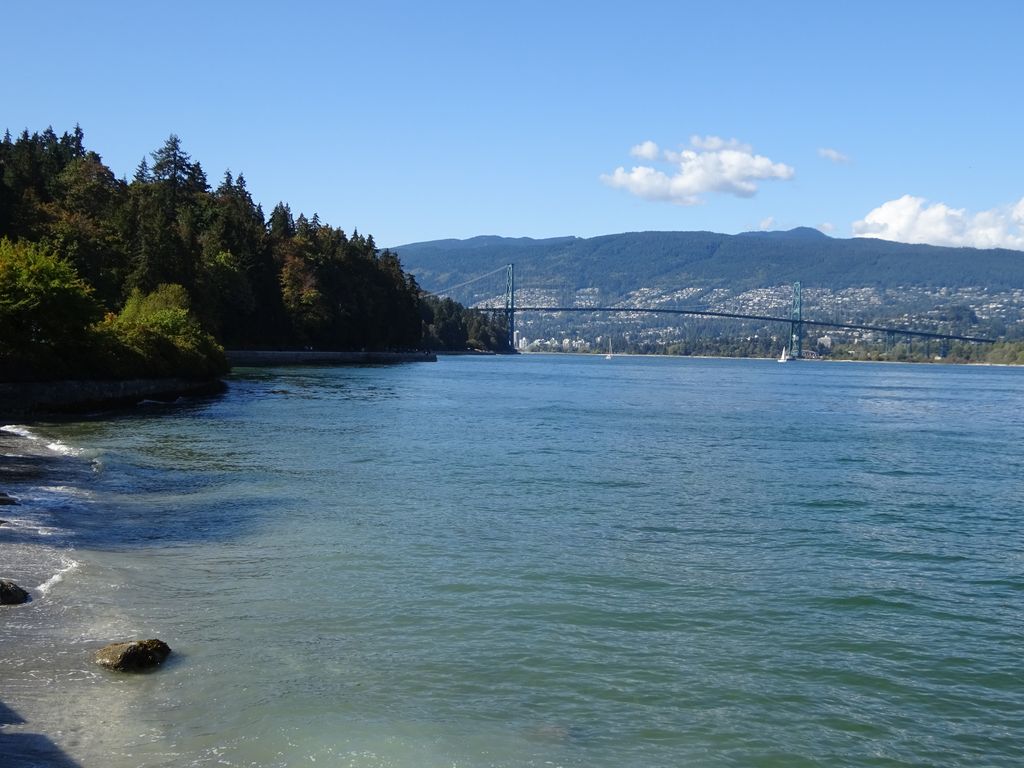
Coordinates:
column 796, row 324
column 510, row 304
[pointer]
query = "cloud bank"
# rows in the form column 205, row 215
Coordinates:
column 914, row 220
column 712, row 164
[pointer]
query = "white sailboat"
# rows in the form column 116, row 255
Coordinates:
column 784, row 357
column 609, row 355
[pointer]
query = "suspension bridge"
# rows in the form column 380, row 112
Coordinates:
column 795, row 320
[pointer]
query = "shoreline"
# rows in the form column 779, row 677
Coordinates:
column 37, row 551
column 25, row 399
column 31, row 462
column 37, row 468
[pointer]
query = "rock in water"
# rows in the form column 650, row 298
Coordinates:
column 6, row 501
column 133, row 656
column 11, row 593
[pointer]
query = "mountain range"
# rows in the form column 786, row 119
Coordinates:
column 616, row 265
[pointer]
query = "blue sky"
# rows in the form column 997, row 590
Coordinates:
column 416, row 121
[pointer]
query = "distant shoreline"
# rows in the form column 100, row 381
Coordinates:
column 598, row 354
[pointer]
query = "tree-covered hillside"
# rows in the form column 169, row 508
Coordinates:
column 167, row 241
column 618, row 264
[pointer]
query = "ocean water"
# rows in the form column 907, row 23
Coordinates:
column 530, row 561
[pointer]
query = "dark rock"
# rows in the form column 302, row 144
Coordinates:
column 133, row 656
column 11, row 593
column 4, row 522
column 6, row 501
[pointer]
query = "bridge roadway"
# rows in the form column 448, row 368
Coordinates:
column 764, row 318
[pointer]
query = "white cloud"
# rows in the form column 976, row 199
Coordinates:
column 646, row 151
column 827, row 227
column 716, row 143
column 766, row 223
column 833, row 154
column 913, row 220
column 712, row 165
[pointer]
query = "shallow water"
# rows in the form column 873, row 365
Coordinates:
column 532, row 561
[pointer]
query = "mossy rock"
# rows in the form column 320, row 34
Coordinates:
column 133, row 656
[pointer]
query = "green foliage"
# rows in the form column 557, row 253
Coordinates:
column 449, row 326
column 253, row 283
column 43, row 302
column 224, row 294
column 445, row 325
column 50, row 326
column 1006, row 353
column 156, row 332
column 142, row 308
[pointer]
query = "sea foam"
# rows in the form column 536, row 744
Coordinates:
column 67, row 565
column 63, row 448
column 57, row 446
column 17, row 429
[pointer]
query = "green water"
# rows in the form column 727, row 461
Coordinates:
column 535, row 561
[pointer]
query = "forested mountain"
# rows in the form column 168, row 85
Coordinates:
column 171, row 250
column 619, row 264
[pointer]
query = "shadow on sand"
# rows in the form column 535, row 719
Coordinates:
column 28, row 750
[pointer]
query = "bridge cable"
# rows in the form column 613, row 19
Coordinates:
column 451, row 288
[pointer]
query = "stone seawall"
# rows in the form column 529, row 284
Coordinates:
column 20, row 398
column 264, row 358
column 30, row 397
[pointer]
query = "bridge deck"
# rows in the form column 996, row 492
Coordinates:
column 764, row 318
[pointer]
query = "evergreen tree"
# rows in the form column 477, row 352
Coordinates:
column 170, row 219
column 85, row 225
column 142, row 172
column 172, row 166
column 282, row 225
column 286, row 281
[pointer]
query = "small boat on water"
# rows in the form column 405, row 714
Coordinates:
column 784, row 357
column 609, row 355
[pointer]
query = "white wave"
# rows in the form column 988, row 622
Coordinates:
column 63, row 448
column 17, row 429
column 68, row 491
column 57, row 446
column 68, row 566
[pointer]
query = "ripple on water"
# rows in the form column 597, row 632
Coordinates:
column 520, row 562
